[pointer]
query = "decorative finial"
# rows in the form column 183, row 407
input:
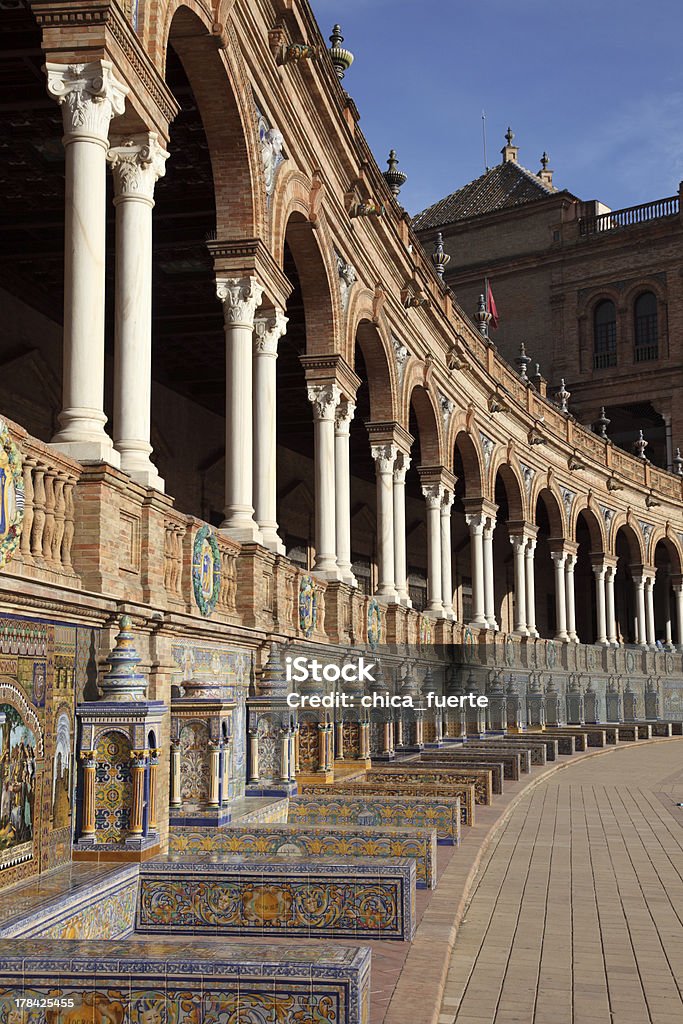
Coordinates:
column 122, row 682
column 483, row 317
column 545, row 160
column 602, row 423
column 440, row 259
column 509, row 136
column 678, row 463
column 341, row 58
column 537, row 377
column 523, row 361
column 640, row 445
column 563, row 395
column 273, row 681
column 394, row 179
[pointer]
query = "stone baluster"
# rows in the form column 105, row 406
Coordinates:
column 267, row 333
column 384, row 456
column 49, row 529
column 38, row 511
column 60, row 509
column 90, row 96
column 342, row 473
column 25, row 543
column 69, row 523
column 240, row 298
column 137, row 771
column 88, row 806
column 325, row 398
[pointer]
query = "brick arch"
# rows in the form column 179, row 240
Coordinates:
column 673, row 549
column 599, row 542
column 634, row 539
column 553, row 506
column 375, row 349
column 224, row 100
column 514, row 488
column 472, row 462
column 321, row 303
column 420, row 399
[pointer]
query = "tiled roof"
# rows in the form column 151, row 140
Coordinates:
column 504, row 186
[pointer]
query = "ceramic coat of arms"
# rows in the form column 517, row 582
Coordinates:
column 206, row 570
column 308, row 605
column 374, row 623
column 11, row 495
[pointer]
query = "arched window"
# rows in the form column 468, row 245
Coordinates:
column 646, row 331
column 604, row 335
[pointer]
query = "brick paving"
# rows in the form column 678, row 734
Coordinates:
column 576, row 914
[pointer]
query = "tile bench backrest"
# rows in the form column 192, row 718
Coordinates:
column 440, row 813
column 480, row 779
column 399, row 789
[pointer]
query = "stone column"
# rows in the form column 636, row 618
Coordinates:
column 137, row 771
column 322, row 747
column 240, row 297
column 153, row 774
column 650, row 610
column 433, row 494
column 518, row 542
column 641, row 621
column 599, row 571
column 214, row 774
column 401, row 467
column 176, row 799
column 678, row 597
column 90, row 96
column 489, row 595
column 476, row 526
column 284, row 755
column 342, row 427
column 339, row 736
column 385, row 457
column 559, row 558
column 569, row 566
column 253, row 756
column 447, row 555
column 610, row 614
column 267, row 332
column 88, row 813
column 529, row 554
column 325, row 398
column 137, row 162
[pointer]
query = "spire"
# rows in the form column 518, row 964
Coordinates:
column 545, row 174
column 509, row 152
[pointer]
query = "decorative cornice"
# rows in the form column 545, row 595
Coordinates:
column 246, row 256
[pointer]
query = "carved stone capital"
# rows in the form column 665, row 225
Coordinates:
column 89, row 96
column 384, row 456
column 324, row 398
column 343, row 416
column 476, row 522
column 447, row 502
column 267, row 332
column 137, row 162
column 401, row 467
column 241, row 297
column 433, row 495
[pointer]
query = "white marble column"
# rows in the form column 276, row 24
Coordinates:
column 641, row 621
column 325, row 398
column 342, row 427
column 384, row 456
column 518, row 545
column 447, row 555
column 489, row 593
column 433, row 495
column 267, row 333
column 599, row 571
column 610, row 606
column 137, row 162
column 570, row 604
column 559, row 558
column 401, row 467
column 476, row 526
column 240, row 297
column 529, row 555
column 678, row 597
column 90, row 96
column 650, row 610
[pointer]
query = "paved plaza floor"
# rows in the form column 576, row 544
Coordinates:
column 576, row 913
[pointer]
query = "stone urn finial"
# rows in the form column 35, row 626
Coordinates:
column 273, row 682
column 342, row 59
column 123, row 682
column 440, row 258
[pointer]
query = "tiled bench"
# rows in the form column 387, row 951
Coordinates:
column 500, row 767
column 400, row 789
column 327, row 806
column 479, row 778
column 580, row 736
column 301, row 840
column 237, row 981
column 342, row 897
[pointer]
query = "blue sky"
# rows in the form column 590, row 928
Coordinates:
column 596, row 83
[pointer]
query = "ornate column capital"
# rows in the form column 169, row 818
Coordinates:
column 384, row 456
column 324, row 398
column 89, row 95
column 401, row 466
column 518, row 541
column 433, row 494
column 344, row 414
column 241, row 297
column 267, row 332
column 447, row 502
column 476, row 522
column 559, row 557
column 137, row 162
